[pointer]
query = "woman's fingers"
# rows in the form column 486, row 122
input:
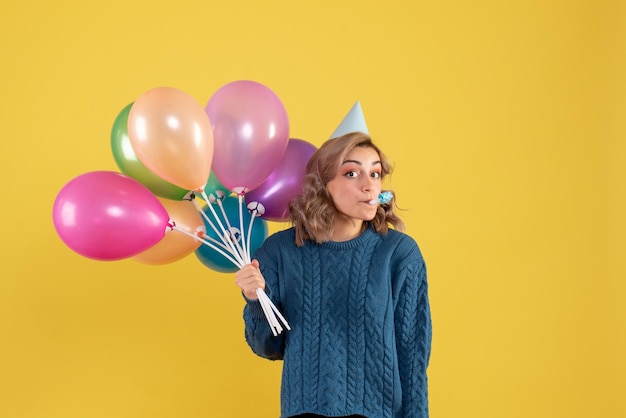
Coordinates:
column 249, row 279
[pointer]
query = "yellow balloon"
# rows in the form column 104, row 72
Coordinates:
column 172, row 136
column 175, row 244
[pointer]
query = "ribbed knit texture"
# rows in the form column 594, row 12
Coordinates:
column 361, row 325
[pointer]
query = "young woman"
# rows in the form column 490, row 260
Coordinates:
column 353, row 290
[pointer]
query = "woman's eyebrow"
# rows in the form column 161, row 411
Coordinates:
column 359, row 162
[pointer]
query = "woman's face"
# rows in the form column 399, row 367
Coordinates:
column 358, row 181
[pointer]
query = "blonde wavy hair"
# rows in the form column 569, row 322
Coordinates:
column 313, row 212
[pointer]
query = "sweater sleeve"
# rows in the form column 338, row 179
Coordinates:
column 414, row 334
column 258, row 333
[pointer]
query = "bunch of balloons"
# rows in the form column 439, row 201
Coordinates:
column 194, row 179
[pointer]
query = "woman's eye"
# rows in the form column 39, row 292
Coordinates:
column 351, row 174
column 375, row 175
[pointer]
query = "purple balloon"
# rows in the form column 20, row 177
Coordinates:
column 285, row 181
column 108, row 216
column 250, row 133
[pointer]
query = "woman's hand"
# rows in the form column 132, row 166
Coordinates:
column 249, row 279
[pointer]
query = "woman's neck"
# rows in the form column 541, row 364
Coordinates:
column 346, row 229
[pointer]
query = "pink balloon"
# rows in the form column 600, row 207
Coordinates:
column 108, row 216
column 285, row 181
column 250, row 132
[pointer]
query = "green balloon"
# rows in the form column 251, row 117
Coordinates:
column 213, row 185
column 129, row 163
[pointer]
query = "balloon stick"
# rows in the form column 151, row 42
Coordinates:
column 225, row 236
column 245, row 254
column 211, row 245
column 239, row 249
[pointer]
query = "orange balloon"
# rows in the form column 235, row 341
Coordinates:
column 175, row 244
column 172, row 136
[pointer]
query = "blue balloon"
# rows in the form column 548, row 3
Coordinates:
column 213, row 259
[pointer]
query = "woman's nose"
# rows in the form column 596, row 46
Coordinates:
column 367, row 183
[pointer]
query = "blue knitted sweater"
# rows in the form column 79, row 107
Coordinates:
column 361, row 326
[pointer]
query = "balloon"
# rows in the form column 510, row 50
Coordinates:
column 213, row 259
column 129, row 163
column 285, row 181
column 213, row 185
column 175, row 245
column 251, row 130
column 108, row 216
column 172, row 136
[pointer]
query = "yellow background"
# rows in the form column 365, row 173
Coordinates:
column 506, row 121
